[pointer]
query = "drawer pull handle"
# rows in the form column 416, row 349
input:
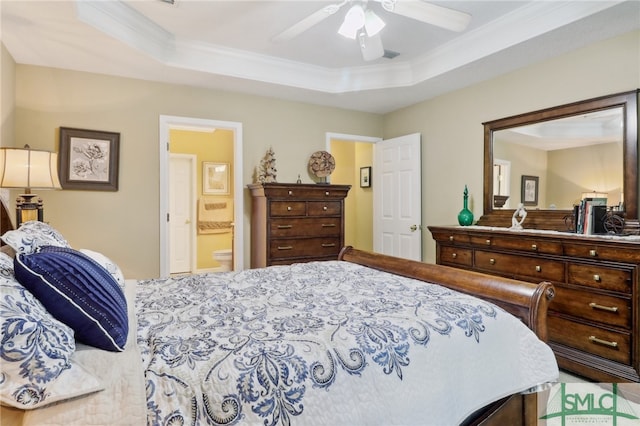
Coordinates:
column 289, row 208
column 290, row 192
column 594, row 305
column 538, row 268
column 488, row 242
column 326, row 193
column 285, row 226
column 324, row 208
column 594, row 339
column 285, row 247
column 534, row 247
column 597, row 278
column 492, row 261
column 454, row 255
column 450, row 237
column 328, row 225
column 593, row 253
column 328, row 245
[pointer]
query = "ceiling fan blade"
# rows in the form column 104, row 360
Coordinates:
column 429, row 13
column 308, row 22
column 371, row 47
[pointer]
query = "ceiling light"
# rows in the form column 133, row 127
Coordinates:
column 371, row 47
column 372, row 23
column 353, row 21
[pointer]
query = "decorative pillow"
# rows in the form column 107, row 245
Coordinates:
column 35, row 350
column 107, row 264
column 79, row 292
column 32, row 235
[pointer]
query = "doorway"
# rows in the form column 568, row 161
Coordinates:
column 391, row 205
column 169, row 123
column 353, row 152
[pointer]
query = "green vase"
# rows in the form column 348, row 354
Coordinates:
column 465, row 217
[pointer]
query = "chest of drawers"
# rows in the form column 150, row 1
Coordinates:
column 296, row 222
column 594, row 327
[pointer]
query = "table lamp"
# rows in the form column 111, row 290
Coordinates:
column 29, row 169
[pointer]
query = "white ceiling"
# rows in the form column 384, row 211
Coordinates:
column 228, row 45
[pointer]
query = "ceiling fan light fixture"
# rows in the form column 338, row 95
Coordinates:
column 373, row 23
column 371, row 47
column 353, row 21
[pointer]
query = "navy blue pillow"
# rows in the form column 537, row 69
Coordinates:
column 79, row 292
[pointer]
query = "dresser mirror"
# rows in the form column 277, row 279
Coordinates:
column 561, row 155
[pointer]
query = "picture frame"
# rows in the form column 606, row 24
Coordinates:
column 529, row 190
column 88, row 159
column 365, row 177
column 215, row 178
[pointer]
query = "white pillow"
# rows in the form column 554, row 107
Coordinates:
column 107, row 264
column 35, row 350
column 32, row 235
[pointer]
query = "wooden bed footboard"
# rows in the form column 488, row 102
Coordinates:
column 527, row 301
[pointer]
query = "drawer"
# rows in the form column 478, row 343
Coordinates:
column 456, row 256
column 629, row 253
column 312, row 227
column 595, row 307
column 318, row 247
column 519, row 266
column 288, row 208
column 531, row 245
column 598, row 276
column 328, row 208
column 306, row 193
column 450, row 238
column 609, row 344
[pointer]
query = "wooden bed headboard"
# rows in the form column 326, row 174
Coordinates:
column 5, row 219
column 526, row 301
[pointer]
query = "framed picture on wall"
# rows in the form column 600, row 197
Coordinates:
column 215, row 178
column 88, row 159
column 529, row 190
column 365, row 177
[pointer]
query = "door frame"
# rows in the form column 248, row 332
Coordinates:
column 167, row 123
column 194, row 196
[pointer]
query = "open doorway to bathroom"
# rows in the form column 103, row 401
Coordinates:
column 201, row 195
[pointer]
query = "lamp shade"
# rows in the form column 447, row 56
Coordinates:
column 27, row 168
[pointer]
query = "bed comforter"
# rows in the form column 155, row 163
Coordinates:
column 327, row 343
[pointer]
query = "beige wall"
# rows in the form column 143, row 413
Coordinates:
column 451, row 125
column 7, row 96
column 125, row 226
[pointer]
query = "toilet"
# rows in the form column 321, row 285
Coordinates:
column 224, row 258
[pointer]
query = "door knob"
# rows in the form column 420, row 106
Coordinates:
column 187, row 221
column 413, row 228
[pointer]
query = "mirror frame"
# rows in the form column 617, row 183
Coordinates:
column 555, row 219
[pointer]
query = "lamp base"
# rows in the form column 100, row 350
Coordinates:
column 28, row 209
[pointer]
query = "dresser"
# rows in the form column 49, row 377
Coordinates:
column 593, row 320
column 296, row 222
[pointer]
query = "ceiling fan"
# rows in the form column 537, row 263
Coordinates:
column 364, row 25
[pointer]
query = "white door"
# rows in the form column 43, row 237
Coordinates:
column 181, row 212
column 397, row 194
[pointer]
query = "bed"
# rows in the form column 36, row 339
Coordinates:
column 366, row 339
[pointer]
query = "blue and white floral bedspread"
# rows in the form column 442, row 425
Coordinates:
column 326, row 343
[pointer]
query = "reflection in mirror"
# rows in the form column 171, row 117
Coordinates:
column 571, row 151
column 573, row 157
